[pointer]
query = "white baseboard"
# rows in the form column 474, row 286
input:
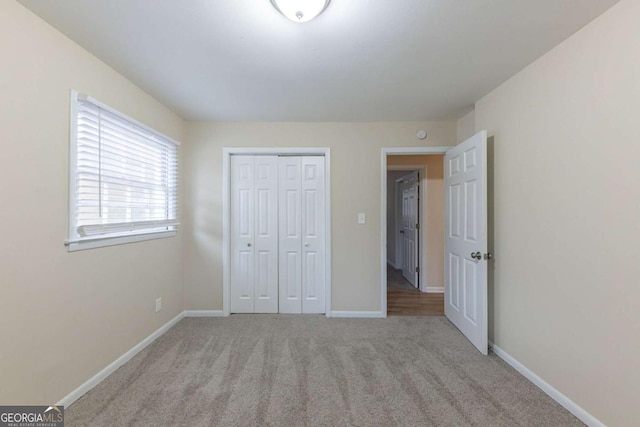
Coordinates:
column 359, row 314
column 204, row 313
column 100, row 376
column 556, row 395
column 435, row 290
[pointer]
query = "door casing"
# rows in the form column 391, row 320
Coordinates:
column 394, row 151
column 227, row 152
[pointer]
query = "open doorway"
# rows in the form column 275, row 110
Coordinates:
column 415, row 235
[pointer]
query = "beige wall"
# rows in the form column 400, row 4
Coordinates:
column 65, row 316
column 433, row 249
column 465, row 126
column 566, row 295
column 355, row 187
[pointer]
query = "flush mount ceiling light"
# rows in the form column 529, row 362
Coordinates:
column 300, row 10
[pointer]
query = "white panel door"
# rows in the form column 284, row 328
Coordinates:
column 277, row 234
column 290, row 231
column 409, row 228
column 313, row 235
column 242, row 234
column 302, row 235
column 465, row 184
column 266, row 234
column 254, row 234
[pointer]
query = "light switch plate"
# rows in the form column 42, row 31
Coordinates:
column 361, row 218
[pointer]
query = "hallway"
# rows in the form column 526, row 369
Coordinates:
column 405, row 300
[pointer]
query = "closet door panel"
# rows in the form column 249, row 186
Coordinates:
column 242, row 234
column 277, row 234
column 266, row 234
column 313, row 234
column 290, row 233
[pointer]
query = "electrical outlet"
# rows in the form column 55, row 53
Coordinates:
column 158, row 304
column 362, row 218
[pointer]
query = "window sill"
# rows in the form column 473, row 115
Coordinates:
column 101, row 242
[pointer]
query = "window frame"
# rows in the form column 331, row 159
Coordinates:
column 74, row 241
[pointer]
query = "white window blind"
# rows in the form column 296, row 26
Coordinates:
column 125, row 175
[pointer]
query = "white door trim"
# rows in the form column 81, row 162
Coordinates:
column 393, row 151
column 226, row 212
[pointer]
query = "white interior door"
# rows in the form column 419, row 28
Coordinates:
column 313, row 235
column 302, row 235
column 465, row 184
column 266, row 234
column 277, row 234
column 254, row 234
column 409, row 230
column 398, row 224
column 242, row 235
column 290, row 219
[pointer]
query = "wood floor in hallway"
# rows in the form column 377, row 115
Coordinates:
column 405, row 300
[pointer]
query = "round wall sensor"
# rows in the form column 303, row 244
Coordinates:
column 422, row 134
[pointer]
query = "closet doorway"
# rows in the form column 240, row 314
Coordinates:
column 276, row 231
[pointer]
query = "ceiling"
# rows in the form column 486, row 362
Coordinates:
column 361, row 60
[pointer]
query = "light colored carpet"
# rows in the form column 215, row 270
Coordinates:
column 286, row 370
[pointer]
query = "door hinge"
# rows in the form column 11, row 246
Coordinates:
column 417, row 226
column 417, row 269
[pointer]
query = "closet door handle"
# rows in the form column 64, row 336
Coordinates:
column 306, row 245
column 248, row 245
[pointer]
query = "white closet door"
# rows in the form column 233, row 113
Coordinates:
column 254, row 234
column 242, row 234
column 290, row 207
column 277, row 234
column 313, row 235
column 266, row 234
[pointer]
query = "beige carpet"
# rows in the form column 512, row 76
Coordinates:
column 284, row 370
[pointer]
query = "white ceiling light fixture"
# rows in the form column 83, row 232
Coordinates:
column 300, row 10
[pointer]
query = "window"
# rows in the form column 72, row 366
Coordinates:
column 123, row 180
